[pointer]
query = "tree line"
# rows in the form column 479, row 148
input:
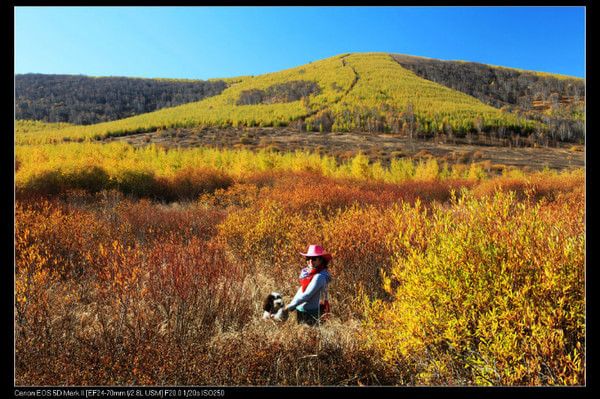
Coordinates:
column 556, row 101
column 84, row 100
column 495, row 86
column 279, row 93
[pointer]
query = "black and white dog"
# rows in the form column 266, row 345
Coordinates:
column 274, row 308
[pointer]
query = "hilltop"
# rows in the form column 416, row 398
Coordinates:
column 373, row 92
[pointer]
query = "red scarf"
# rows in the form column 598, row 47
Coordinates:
column 306, row 276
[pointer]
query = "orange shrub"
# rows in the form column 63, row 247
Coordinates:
column 190, row 183
column 300, row 192
column 152, row 221
column 537, row 185
column 357, row 238
column 238, row 195
column 195, row 286
column 266, row 238
column 139, row 314
column 64, row 234
column 486, row 288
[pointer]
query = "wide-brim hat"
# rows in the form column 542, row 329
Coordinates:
column 317, row 250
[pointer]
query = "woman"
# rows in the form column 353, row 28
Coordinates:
column 313, row 284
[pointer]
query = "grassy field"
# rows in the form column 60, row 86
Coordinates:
column 148, row 267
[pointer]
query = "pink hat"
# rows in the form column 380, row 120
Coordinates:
column 316, row 250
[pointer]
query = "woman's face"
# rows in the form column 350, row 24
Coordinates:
column 313, row 261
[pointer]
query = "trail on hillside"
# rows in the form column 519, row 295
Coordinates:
column 356, row 77
column 348, row 90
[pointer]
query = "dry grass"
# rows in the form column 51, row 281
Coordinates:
column 378, row 147
column 112, row 290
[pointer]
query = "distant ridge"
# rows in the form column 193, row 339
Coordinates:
column 495, row 85
column 374, row 92
column 86, row 100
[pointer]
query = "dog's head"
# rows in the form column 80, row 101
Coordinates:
column 274, row 308
column 273, row 302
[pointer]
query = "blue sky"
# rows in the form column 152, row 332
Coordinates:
column 218, row 42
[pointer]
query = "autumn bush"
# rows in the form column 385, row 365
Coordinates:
column 436, row 281
column 167, row 311
column 61, row 235
column 491, row 294
column 189, row 183
column 152, row 222
column 353, row 218
column 308, row 191
column 184, row 184
column 135, row 315
column 545, row 184
column 266, row 237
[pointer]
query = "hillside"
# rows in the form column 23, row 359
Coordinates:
column 496, row 86
column 557, row 100
column 85, row 100
column 371, row 92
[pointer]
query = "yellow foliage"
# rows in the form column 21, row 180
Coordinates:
column 53, row 168
column 492, row 293
column 363, row 91
column 484, row 287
